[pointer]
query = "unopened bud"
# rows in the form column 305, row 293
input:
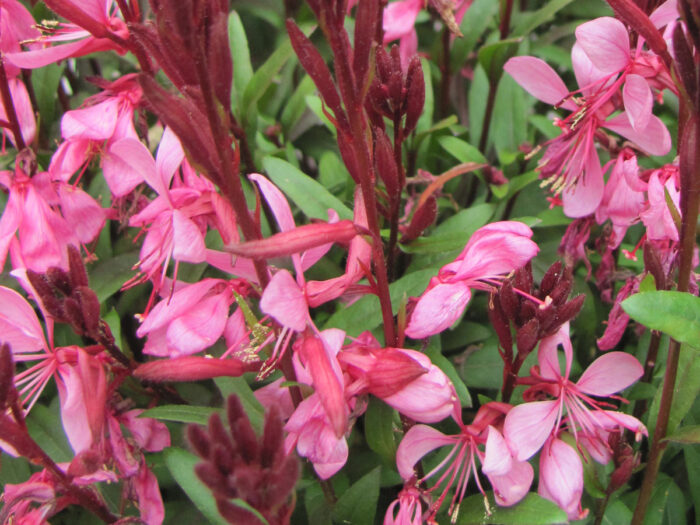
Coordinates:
column 423, row 217
column 526, row 336
column 78, row 275
column 59, row 280
column 393, row 371
column 415, row 94
column 7, row 374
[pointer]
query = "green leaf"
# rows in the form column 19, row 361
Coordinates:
column 379, row 429
column 667, row 505
column 532, row 510
column 689, row 435
column 312, row 198
column 461, row 150
column 475, row 21
column 674, row 313
column 181, row 465
column 366, row 314
column 181, row 413
column 296, row 105
column 14, row 470
column 528, row 21
column 44, row 425
column 264, row 76
column 45, row 82
column 358, row 504
column 692, row 464
column 109, row 275
column 493, row 56
column 251, row 405
column 444, row 364
column 240, row 55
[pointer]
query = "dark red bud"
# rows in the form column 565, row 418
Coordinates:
column 59, row 280
column 623, row 473
column 348, row 154
column 422, row 218
column 90, row 309
column 384, row 65
column 366, row 20
column 272, row 446
column 395, row 83
column 76, row 268
column 510, row 301
column 386, row 164
column 219, row 62
column 551, row 278
column 7, row 374
column 526, row 336
column 501, row 326
column 690, row 12
column 684, row 61
column 415, row 94
column 236, row 514
column 199, row 440
column 652, row 264
column 522, row 279
column 74, row 315
column 561, row 291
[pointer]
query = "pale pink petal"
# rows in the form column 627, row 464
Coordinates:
column 93, row 122
column 655, row 138
column 283, row 300
column 528, row 426
column 610, row 373
column 81, row 212
column 589, row 78
column 135, row 154
column 277, row 201
column 149, row 434
column 606, row 42
column 200, row 327
column 148, row 493
column 399, row 18
column 548, row 354
column 437, row 309
column 612, row 420
column 497, row 460
column 188, row 241
column 69, row 156
column 583, row 197
column 664, row 14
column 19, row 325
column 638, row 101
column 561, row 477
column 511, row 487
column 417, row 442
column 537, row 78
column 169, row 157
column 37, row 58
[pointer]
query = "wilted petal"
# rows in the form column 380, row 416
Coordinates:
column 528, row 426
column 610, row 373
column 148, row 493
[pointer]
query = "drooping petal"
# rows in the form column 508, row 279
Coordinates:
column 583, row 197
column 538, row 78
column 498, row 459
column 528, row 426
column 610, row 373
column 437, row 309
column 511, row 487
column 19, row 325
column 561, row 476
column 655, row 138
column 606, row 42
column 417, row 442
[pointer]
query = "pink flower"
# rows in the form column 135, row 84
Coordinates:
column 480, row 441
column 533, row 424
column 492, row 251
column 656, row 216
column 603, row 63
column 410, row 511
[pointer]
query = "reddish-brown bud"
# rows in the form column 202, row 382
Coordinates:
column 526, row 336
column 685, row 63
column 192, row 369
column 551, row 278
column 386, row 164
column 652, row 264
column 90, row 309
column 415, row 94
column 59, row 280
column 76, row 268
column 423, row 217
column 7, row 374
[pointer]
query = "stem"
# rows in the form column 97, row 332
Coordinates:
column 505, row 18
column 689, row 153
column 488, row 114
column 395, row 200
column 600, row 510
column 10, row 108
column 649, row 364
column 445, row 82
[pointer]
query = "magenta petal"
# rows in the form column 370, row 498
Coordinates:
column 283, row 300
column 82, row 212
column 417, row 442
column 583, row 198
column 437, row 309
column 561, row 476
column 537, row 78
column 606, row 42
column 200, row 327
column 179, row 304
column 528, row 426
column 169, row 157
column 512, row 486
column 93, row 122
column 134, row 154
column 148, row 494
column 638, row 101
column 610, row 373
column 188, row 241
column 277, row 201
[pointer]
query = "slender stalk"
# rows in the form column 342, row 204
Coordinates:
column 445, row 82
column 507, row 10
column 10, row 108
column 652, row 353
column 395, row 200
column 600, row 510
column 689, row 153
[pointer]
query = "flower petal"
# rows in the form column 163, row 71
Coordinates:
column 437, row 309
column 537, row 78
column 606, row 42
column 417, row 442
column 610, row 373
column 561, row 477
column 528, row 426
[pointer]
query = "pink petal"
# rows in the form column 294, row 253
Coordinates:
column 93, row 122
column 561, row 477
column 584, row 196
column 512, row 486
column 654, row 139
column 498, row 459
column 638, row 101
column 610, row 373
column 188, row 241
column 23, row 110
column 19, row 325
column 606, row 42
column 149, row 434
column 277, row 201
column 537, row 78
column 548, row 354
column 437, row 309
column 664, row 14
column 169, row 157
column 589, row 78
column 283, row 300
column 417, row 442
column 399, row 18
column 148, row 493
column 200, row 327
column 528, row 426
column 69, row 156
column 82, row 213
column 135, row 154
